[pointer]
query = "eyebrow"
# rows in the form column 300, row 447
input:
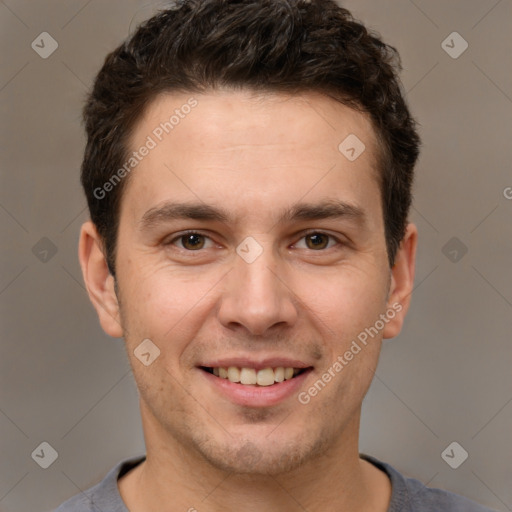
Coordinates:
column 172, row 211
column 330, row 209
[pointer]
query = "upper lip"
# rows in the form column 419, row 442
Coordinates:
column 251, row 362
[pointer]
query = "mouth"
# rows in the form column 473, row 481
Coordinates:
column 254, row 377
column 249, row 382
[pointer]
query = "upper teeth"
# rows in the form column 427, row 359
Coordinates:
column 264, row 377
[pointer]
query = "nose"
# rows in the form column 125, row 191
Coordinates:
column 256, row 297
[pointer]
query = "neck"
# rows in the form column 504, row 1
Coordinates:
column 173, row 473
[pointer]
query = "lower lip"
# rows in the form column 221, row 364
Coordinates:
column 257, row 396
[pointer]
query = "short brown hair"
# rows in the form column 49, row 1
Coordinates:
column 263, row 45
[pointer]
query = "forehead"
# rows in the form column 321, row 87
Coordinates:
column 214, row 146
column 249, row 117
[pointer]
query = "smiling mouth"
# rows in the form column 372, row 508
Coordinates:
column 252, row 377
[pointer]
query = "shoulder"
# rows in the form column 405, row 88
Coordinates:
column 410, row 495
column 103, row 496
column 429, row 499
column 79, row 503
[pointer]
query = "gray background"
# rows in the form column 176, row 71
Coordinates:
column 446, row 378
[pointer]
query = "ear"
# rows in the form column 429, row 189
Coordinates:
column 98, row 280
column 402, row 281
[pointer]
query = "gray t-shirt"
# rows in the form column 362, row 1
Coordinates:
column 408, row 495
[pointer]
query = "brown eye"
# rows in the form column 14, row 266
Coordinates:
column 192, row 241
column 317, row 241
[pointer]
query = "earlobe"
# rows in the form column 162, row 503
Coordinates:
column 402, row 281
column 98, row 280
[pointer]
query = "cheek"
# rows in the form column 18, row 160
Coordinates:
column 165, row 307
column 345, row 302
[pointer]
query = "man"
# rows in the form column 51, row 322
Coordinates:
column 248, row 172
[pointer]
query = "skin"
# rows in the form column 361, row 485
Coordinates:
column 254, row 156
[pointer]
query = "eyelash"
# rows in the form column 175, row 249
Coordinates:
column 306, row 234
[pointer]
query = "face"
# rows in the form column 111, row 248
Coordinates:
column 249, row 241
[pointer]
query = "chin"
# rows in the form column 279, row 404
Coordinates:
column 248, row 457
